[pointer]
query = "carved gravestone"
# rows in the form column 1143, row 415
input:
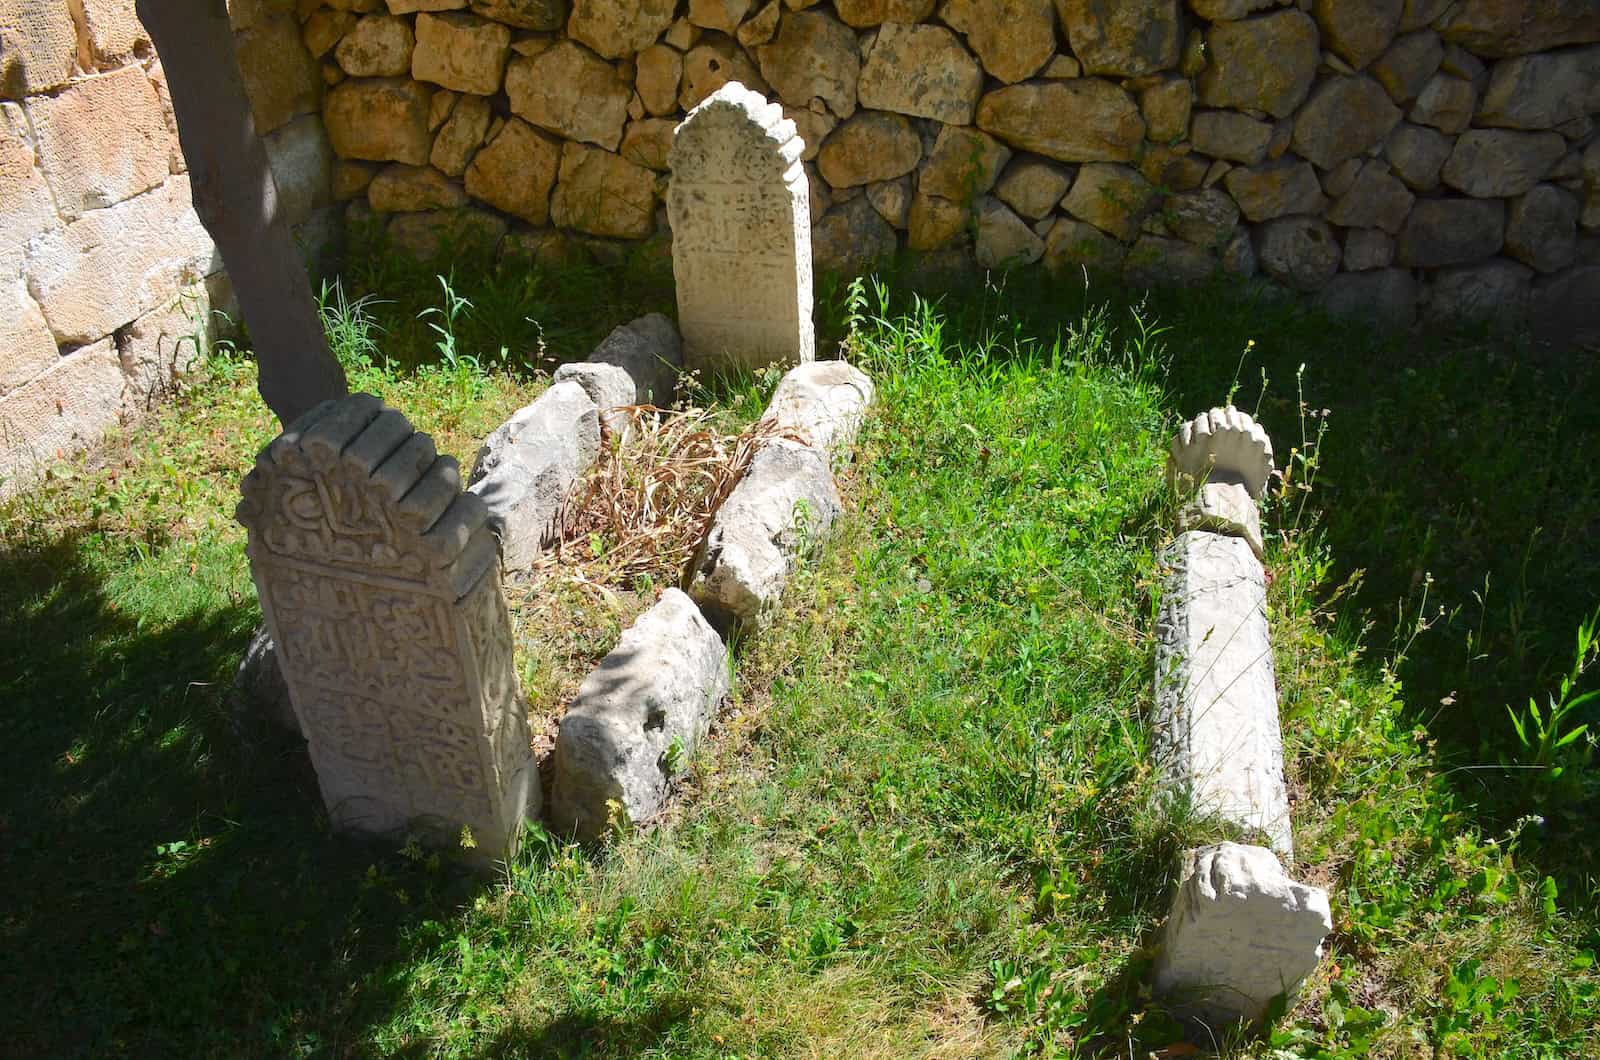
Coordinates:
column 380, row 585
column 741, row 234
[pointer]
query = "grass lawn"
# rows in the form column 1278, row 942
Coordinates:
column 925, row 825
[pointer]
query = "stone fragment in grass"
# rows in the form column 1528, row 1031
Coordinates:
column 825, row 401
column 379, row 585
column 608, row 386
column 526, row 467
column 1217, row 739
column 637, row 720
column 649, row 350
column 1240, row 933
column 740, row 214
column 774, row 518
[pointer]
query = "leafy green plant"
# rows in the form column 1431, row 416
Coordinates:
column 1553, row 739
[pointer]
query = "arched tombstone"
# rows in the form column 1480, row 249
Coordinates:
column 380, row 584
column 741, row 234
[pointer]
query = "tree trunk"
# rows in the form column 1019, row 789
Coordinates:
column 237, row 201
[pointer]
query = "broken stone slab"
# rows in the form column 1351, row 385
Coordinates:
column 824, row 402
column 528, row 464
column 608, row 386
column 1222, row 445
column 1225, row 508
column 1217, row 739
column 1240, row 933
column 775, row 516
column 637, row 720
column 650, row 351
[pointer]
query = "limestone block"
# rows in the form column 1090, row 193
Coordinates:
column 405, row 189
column 922, row 71
column 849, row 239
column 164, row 345
column 1500, row 163
column 1417, row 154
column 934, row 221
column 411, row 7
column 813, row 57
column 1275, row 190
column 603, row 194
column 1239, row 255
column 1225, row 508
column 1231, row 135
column 379, row 584
column 609, row 387
column 1217, row 739
column 648, row 143
column 1383, row 298
column 619, row 28
column 824, row 402
column 1497, row 291
column 762, row 26
column 1128, row 39
column 1345, row 117
column 1367, row 248
column 637, row 720
column 571, row 92
column 1113, row 198
column 963, row 164
column 1206, row 218
column 1004, row 240
column 1358, row 31
column 1446, row 103
column 712, row 63
column 1408, row 65
column 301, row 159
column 377, row 46
column 430, row 235
column 1451, row 232
column 1076, row 244
column 682, row 35
column 723, row 16
column 59, row 412
column 379, row 120
column 1265, row 63
column 101, row 140
column 320, row 33
column 649, row 350
column 529, row 464
column 870, row 147
column 1542, row 228
column 26, row 205
column 112, row 30
column 892, row 200
column 351, row 179
column 1166, row 106
column 775, row 517
column 1084, row 120
column 461, row 52
column 1542, row 91
column 739, row 209
column 112, row 265
column 515, row 171
column 1240, row 932
column 1158, row 261
column 38, row 45
column 1497, row 28
column 1300, row 252
column 659, row 71
column 1376, row 199
column 864, row 13
column 461, row 135
column 27, row 349
column 1062, row 67
column 544, row 16
column 1013, row 38
column 280, row 76
column 1032, row 187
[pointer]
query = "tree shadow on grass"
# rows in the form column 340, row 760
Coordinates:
column 171, row 889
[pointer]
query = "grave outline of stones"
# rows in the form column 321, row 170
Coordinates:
column 361, row 540
column 715, row 260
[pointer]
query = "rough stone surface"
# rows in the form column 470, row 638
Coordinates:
column 101, row 140
column 528, row 464
column 659, row 71
column 1032, row 186
column 1224, row 508
column 1129, row 39
column 603, row 194
column 1075, row 244
column 872, row 146
column 934, row 222
column 461, row 135
column 852, row 237
column 608, row 386
column 963, row 164
column 571, row 92
column 1160, row 261
column 922, row 71
column 1345, row 117
column 1013, row 38
column 1445, row 103
column 1358, row 30
column 542, row 15
column 813, row 56
column 280, row 76
column 38, row 45
column 762, row 26
column 1496, row 291
column 515, row 171
column 892, row 200
column 1367, row 248
column 1166, row 106
column 648, row 142
column 1451, row 232
column 1300, row 252
column 1562, row 307
column 721, row 15
column 1542, row 228
column 1217, row 739
column 1264, row 63
column 637, row 720
column 377, row 46
column 1542, row 91
column 1409, row 63
column 379, row 120
column 1383, row 298
column 1240, row 932
column 741, row 223
column 60, row 411
column 649, row 350
column 378, row 583
column 775, row 517
column 864, row 13
column 1113, row 198
column 1376, row 199
column 1004, row 240
column 1417, row 155
column 404, row 189
column 1206, row 218
column 1275, row 190
column 824, row 402
column 1497, row 28
column 431, row 234
column 1231, row 135
column 27, row 349
column 1500, row 163
column 713, row 63
column 1085, row 120
column 619, row 28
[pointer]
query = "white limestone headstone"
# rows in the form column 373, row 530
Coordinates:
column 740, row 214
column 380, row 585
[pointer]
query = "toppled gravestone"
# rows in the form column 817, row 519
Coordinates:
column 1240, row 933
column 649, row 350
column 528, row 464
column 380, row 587
column 824, row 402
column 637, row 720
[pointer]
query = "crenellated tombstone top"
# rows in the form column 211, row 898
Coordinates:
column 379, row 581
column 1222, row 445
column 741, row 234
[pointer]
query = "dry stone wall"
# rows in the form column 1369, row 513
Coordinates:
column 107, row 278
column 1382, row 156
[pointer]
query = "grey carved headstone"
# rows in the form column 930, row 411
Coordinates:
column 741, row 234
column 380, row 585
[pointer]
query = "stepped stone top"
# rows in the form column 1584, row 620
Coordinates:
column 1222, row 445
